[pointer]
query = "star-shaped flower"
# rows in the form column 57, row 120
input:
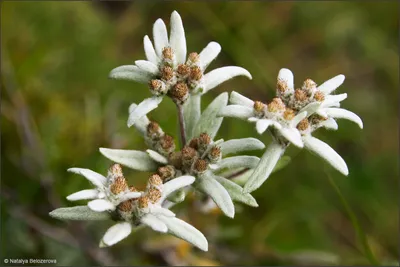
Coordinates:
column 291, row 117
column 169, row 72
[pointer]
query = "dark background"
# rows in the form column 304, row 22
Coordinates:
column 58, row 107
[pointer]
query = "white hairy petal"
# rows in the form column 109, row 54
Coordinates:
column 129, row 195
column 330, row 85
column 326, row 152
column 157, row 156
column 263, row 124
column 131, row 73
column 329, row 124
column 340, row 113
column 238, row 161
column 154, row 223
column 208, row 54
column 265, row 167
column 191, row 112
column 84, row 194
column 157, row 210
column 236, row 111
column 287, row 76
column 238, row 99
column 185, row 231
column 331, row 100
column 101, row 205
column 147, row 67
column 149, row 50
column 134, row 159
column 310, row 108
column 240, row 145
column 175, row 184
column 160, row 36
column 143, row 108
column 209, row 186
column 141, row 124
column 95, row 178
column 209, row 122
column 80, row 213
column 292, row 135
column 236, row 192
column 116, row 233
column 220, row 75
column 299, row 117
column 177, row 38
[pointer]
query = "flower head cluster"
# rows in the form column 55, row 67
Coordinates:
column 200, row 164
column 169, row 72
column 291, row 117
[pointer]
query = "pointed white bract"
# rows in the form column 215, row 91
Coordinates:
column 116, row 233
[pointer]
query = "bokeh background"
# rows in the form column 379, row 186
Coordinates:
column 58, row 107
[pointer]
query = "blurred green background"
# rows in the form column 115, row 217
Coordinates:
column 58, row 107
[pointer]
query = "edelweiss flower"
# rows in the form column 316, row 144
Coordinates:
column 129, row 207
column 201, row 157
column 109, row 192
column 148, row 210
column 167, row 71
column 293, row 115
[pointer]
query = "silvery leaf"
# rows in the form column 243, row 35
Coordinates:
column 209, row 122
column 191, row 111
column 340, row 113
column 220, row 75
column 141, row 124
column 326, row 152
column 154, row 223
column 95, row 178
column 177, row 38
column 238, row 161
column 160, row 36
column 264, row 168
column 236, row 111
column 176, row 184
column 331, row 84
column 240, row 145
column 131, row 73
column 157, row 156
column 209, row 186
column 115, row 234
column 80, row 213
column 185, row 231
column 137, row 160
column 238, row 99
column 236, row 192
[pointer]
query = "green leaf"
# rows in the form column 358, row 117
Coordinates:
column 137, row 160
column 236, row 192
column 80, row 213
column 209, row 122
column 191, row 113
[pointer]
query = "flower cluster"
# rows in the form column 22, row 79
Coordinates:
column 291, row 117
column 200, row 164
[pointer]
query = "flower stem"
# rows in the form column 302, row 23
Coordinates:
column 181, row 125
column 353, row 218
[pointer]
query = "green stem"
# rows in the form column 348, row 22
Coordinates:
column 353, row 218
column 181, row 125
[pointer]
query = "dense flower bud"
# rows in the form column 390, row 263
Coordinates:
column 215, row 154
column 289, row 114
column 167, row 144
column 200, row 165
column 119, row 185
column 154, row 180
column 194, row 143
column 300, row 95
column 167, row 73
column 114, row 171
column 276, row 105
column 309, row 86
column 154, row 195
column 166, row 172
column 193, row 58
column 175, row 159
column 303, row 125
column 179, row 93
column 143, row 202
column 183, row 70
column 319, row 96
column 195, row 73
column 157, row 87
